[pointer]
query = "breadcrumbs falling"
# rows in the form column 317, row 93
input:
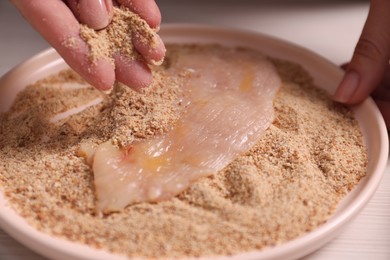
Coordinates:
column 288, row 184
column 117, row 36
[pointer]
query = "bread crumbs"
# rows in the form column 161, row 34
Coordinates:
column 288, row 184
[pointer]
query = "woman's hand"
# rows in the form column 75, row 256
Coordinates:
column 369, row 70
column 57, row 21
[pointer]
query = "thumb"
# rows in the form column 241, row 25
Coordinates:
column 371, row 56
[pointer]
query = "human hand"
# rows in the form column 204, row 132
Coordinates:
column 57, row 21
column 369, row 71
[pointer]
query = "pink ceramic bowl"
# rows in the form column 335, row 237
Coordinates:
column 326, row 75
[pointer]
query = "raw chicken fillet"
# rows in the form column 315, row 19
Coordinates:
column 228, row 99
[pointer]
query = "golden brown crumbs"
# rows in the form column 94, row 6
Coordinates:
column 286, row 185
column 118, row 36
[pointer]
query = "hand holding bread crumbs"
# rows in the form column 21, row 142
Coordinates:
column 62, row 29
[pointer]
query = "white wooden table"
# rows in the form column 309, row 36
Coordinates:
column 330, row 28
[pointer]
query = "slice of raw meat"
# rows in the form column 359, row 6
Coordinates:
column 229, row 104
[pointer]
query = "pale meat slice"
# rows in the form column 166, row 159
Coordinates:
column 229, row 104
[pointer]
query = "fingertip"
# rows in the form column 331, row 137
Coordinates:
column 154, row 52
column 347, row 87
column 133, row 73
column 100, row 74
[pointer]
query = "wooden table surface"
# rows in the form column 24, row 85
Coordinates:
column 330, row 28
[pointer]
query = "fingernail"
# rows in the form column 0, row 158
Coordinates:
column 347, row 87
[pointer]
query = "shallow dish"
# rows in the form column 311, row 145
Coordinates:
column 326, row 75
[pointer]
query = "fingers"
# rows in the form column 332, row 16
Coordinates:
column 371, row 57
column 61, row 30
column 152, row 53
column 97, row 14
column 146, row 9
column 132, row 73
